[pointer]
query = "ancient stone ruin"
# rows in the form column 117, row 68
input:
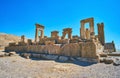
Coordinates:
column 87, row 45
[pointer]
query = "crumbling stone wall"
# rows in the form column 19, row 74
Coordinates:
column 101, row 33
column 72, row 49
column 88, row 50
column 82, row 49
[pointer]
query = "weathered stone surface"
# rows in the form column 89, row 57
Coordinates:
column 101, row 33
column 102, row 60
column 103, row 55
column 54, row 34
column 49, row 42
column 2, row 54
column 116, row 62
column 67, row 31
column 51, row 49
column 72, row 49
column 63, row 41
column 12, row 53
column 26, row 55
column 82, row 29
column 41, row 29
column 63, row 58
column 88, row 50
column 108, row 60
column 7, row 54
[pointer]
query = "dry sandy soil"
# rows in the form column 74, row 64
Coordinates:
column 5, row 39
column 18, row 67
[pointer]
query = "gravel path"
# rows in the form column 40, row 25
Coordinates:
column 18, row 67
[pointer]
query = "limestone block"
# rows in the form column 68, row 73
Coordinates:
column 74, row 40
column 71, row 49
column 49, row 42
column 12, row 44
column 116, row 62
column 63, row 41
column 88, row 50
column 22, row 44
column 51, row 49
column 103, row 55
column 2, row 54
column 26, row 55
column 12, row 53
column 108, row 60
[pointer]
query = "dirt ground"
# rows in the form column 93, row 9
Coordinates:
column 18, row 67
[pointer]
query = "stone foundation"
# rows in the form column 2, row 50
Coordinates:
column 81, row 49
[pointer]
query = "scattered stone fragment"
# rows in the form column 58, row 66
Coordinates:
column 7, row 54
column 116, row 62
column 12, row 53
column 26, row 55
column 108, row 60
column 103, row 55
column 2, row 54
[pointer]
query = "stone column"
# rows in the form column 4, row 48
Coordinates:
column 42, row 34
column 64, row 34
column 87, row 32
column 22, row 38
column 101, row 33
column 82, row 32
column 70, row 35
column 54, row 34
column 92, row 25
column 36, row 35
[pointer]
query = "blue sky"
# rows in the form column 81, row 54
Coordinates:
column 18, row 17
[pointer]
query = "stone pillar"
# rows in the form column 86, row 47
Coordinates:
column 64, row 34
column 22, row 38
column 42, row 34
column 82, row 32
column 29, row 42
column 70, row 35
column 41, row 29
column 101, row 33
column 36, row 35
column 67, row 31
column 54, row 34
column 87, row 32
column 92, row 25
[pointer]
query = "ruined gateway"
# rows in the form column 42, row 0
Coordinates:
column 88, row 45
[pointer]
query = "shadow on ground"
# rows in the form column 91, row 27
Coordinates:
column 80, row 63
column 77, row 62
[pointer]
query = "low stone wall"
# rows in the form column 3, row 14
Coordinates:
column 81, row 49
column 72, row 49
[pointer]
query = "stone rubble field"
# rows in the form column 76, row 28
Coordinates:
column 19, row 67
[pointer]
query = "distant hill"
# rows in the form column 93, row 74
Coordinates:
column 5, row 39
